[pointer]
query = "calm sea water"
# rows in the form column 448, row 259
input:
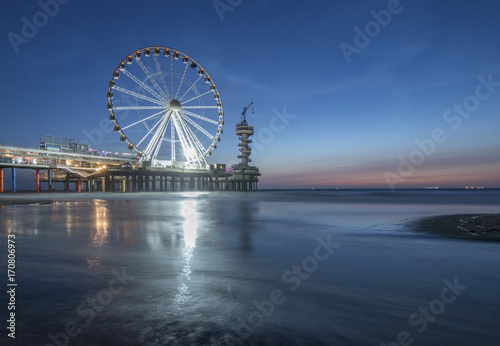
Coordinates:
column 269, row 267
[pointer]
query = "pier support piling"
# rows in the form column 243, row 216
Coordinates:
column 1, row 179
column 14, row 187
column 49, row 179
column 37, row 177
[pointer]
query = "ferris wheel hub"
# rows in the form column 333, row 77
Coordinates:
column 175, row 105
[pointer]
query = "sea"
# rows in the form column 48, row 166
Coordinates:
column 268, row 267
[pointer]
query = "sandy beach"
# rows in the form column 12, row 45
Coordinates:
column 469, row 226
column 198, row 267
column 9, row 198
column 23, row 201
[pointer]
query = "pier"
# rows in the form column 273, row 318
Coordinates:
column 82, row 170
column 217, row 178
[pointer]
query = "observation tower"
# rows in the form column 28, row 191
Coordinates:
column 244, row 176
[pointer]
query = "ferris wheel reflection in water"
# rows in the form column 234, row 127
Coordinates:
column 190, row 229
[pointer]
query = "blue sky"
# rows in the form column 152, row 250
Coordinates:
column 320, row 120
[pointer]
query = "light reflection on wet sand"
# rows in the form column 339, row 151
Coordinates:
column 202, row 260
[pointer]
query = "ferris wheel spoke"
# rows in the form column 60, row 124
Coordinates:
column 133, row 93
column 195, row 139
column 186, row 147
column 194, row 143
column 200, row 107
column 155, row 141
column 160, row 72
column 184, row 112
column 138, row 81
column 172, row 140
column 194, row 98
column 192, row 86
column 198, row 127
column 155, row 144
column 150, row 130
column 143, row 120
column 150, row 77
column 201, row 148
column 124, row 108
column 193, row 153
column 182, row 80
column 172, row 73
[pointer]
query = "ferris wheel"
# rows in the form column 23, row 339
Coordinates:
column 166, row 107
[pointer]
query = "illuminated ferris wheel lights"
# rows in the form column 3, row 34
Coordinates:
column 174, row 113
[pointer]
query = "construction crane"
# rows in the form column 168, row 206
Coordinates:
column 244, row 114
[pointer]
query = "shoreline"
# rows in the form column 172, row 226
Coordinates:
column 24, row 202
column 475, row 226
column 45, row 197
column 464, row 226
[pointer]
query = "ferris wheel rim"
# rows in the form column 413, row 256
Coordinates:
column 167, row 101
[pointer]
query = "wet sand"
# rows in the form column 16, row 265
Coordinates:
column 23, row 201
column 469, row 226
column 10, row 198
